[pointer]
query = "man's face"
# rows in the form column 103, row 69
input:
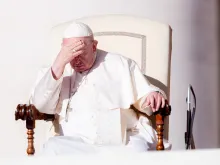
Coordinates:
column 85, row 60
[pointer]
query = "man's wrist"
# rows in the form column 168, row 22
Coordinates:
column 57, row 72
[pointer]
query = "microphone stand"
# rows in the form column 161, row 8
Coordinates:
column 189, row 141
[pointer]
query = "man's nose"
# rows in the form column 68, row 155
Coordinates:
column 77, row 58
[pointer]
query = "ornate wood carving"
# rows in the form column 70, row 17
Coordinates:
column 25, row 112
column 30, row 114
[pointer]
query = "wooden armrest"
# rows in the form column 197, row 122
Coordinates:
column 160, row 115
column 30, row 114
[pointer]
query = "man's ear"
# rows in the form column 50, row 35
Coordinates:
column 95, row 43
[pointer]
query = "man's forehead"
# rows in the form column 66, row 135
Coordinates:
column 75, row 39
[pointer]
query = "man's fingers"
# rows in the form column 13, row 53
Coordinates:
column 155, row 101
column 158, row 102
column 146, row 103
column 72, row 45
column 75, row 54
column 163, row 103
column 76, row 48
column 152, row 103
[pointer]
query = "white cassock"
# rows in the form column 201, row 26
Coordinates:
column 93, row 107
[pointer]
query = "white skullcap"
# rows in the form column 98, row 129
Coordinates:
column 77, row 29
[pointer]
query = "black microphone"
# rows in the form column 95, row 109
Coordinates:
column 190, row 118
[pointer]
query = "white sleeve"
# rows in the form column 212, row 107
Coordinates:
column 142, row 88
column 46, row 92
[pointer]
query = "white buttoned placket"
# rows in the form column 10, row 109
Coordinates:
column 94, row 114
column 74, row 89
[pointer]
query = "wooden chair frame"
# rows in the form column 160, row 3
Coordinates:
column 30, row 114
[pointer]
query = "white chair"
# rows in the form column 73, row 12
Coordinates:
column 143, row 40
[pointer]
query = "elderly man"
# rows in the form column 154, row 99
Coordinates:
column 92, row 101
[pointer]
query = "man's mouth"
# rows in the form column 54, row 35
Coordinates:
column 79, row 65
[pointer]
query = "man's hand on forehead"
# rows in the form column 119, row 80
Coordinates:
column 72, row 46
column 69, row 42
column 69, row 51
column 75, row 45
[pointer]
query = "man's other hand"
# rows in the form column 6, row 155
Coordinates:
column 155, row 100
